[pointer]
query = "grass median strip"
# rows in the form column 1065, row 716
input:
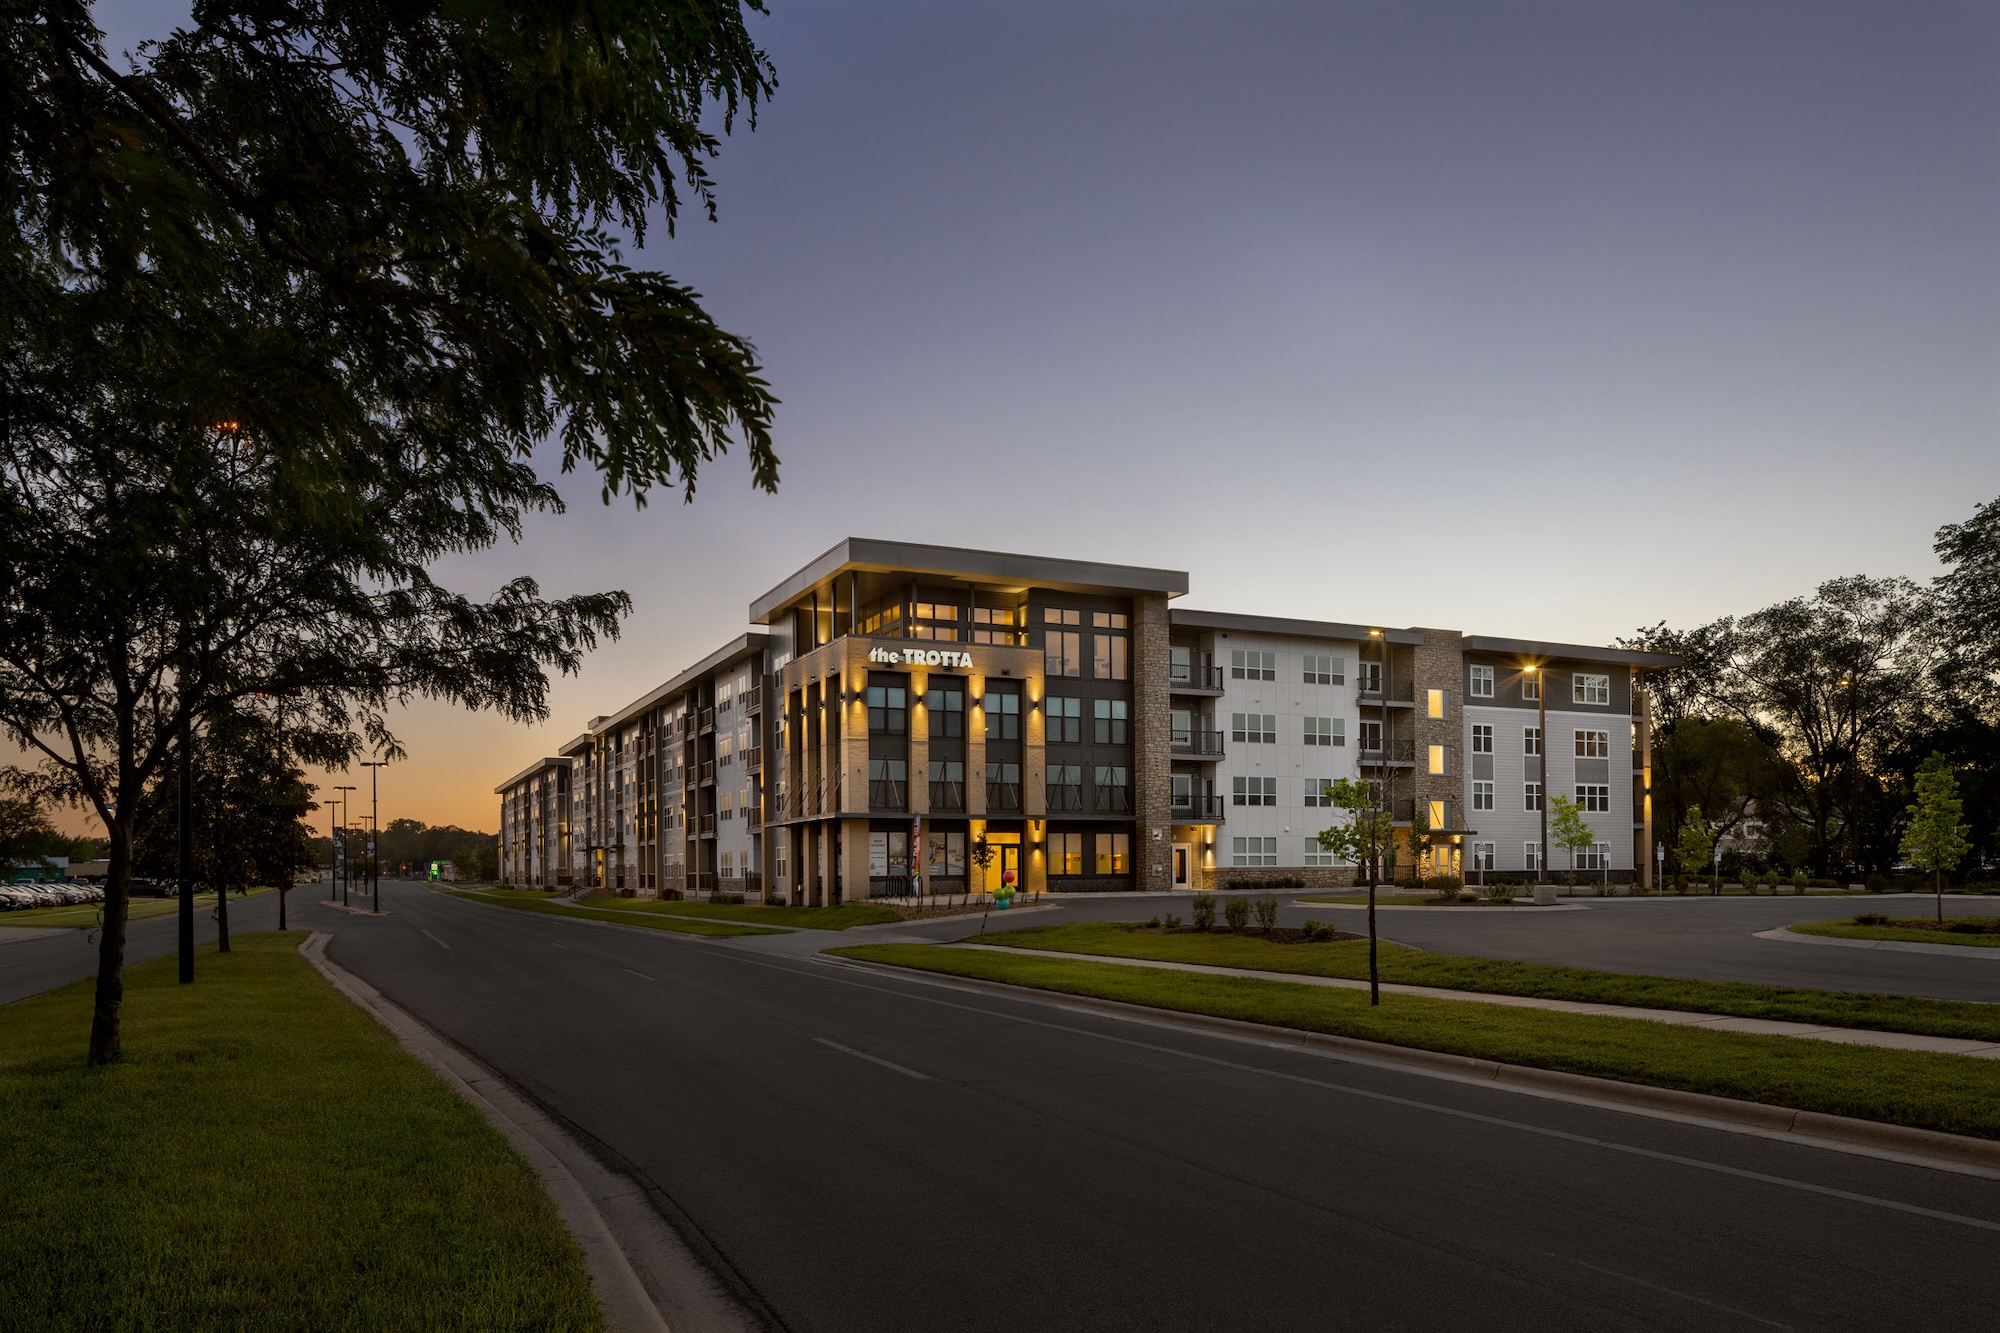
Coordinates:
column 89, row 916
column 265, row 1156
column 627, row 915
column 1952, row 1093
column 1415, row 967
column 1977, row 933
column 843, row 917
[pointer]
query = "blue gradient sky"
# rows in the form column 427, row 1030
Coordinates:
column 1533, row 319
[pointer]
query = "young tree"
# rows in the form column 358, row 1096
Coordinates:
column 1935, row 839
column 1696, row 846
column 1367, row 841
column 1569, row 830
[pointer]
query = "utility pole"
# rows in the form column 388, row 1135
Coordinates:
column 374, row 767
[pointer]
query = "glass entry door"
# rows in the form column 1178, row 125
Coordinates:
column 1006, row 859
column 1183, row 857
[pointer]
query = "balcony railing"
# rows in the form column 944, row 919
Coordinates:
column 1400, row 691
column 707, row 719
column 701, row 882
column 753, row 758
column 1197, row 805
column 1398, row 752
column 708, row 826
column 1202, row 676
column 753, row 700
column 708, row 771
column 753, row 816
column 1197, row 745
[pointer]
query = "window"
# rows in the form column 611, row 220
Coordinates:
column 994, row 626
column 1597, row 857
column 1482, row 739
column 1531, row 690
column 1593, row 744
column 1114, row 853
column 1436, row 703
column 1314, row 794
column 1111, row 785
column 1531, row 855
column 1107, row 660
column 947, row 855
column 1181, row 727
column 1482, row 796
column 1062, row 649
column 1482, row 682
column 1065, row 853
column 1531, row 740
column 1593, row 797
column 1325, row 669
column 1182, row 788
column 1315, row 855
column 1590, row 689
column 1253, row 851
column 1254, row 791
column 1251, row 664
column 1370, row 681
column 1254, row 728
column 1108, row 721
column 1065, row 788
column 947, row 784
column 1532, row 796
column 1371, row 737
column 888, row 713
column 888, row 855
column 1325, row 731
column 1003, row 717
column 1065, row 721
column 947, row 713
column 1438, row 757
column 1003, row 787
column 888, row 784
column 1482, row 856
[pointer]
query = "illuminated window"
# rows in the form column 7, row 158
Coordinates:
column 1482, row 682
column 1437, row 703
column 1593, row 744
column 1062, row 651
column 995, row 626
column 1440, row 814
column 1590, row 689
column 1108, row 657
column 1114, row 853
column 1066, row 853
column 1437, row 758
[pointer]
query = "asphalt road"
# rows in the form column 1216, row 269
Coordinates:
column 31, row 966
column 871, row 1153
column 1711, row 939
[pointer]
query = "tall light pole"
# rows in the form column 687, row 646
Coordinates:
column 1389, row 805
column 1540, row 678
column 374, row 828
column 345, row 876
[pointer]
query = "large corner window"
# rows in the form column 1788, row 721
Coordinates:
column 1108, row 646
column 1062, row 646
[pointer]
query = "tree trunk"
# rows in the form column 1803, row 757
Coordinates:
column 221, row 915
column 104, row 1039
column 1939, row 872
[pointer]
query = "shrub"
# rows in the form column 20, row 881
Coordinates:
column 1267, row 913
column 1314, row 931
column 1173, row 922
column 1499, row 893
column 1204, row 914
column 1878, row 883
column 1152, row 923
column 1871, row 919
column 1445, row 886
column 1799, row 881
column 1237, row 913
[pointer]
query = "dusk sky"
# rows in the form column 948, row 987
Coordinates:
column 1544, row 320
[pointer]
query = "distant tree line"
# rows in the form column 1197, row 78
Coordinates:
column 1793, row 736
column 416, row 844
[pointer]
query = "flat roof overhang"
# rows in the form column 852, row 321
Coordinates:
column 956, row 564
column 529, row 772
column 1301, row 629
column 1576, row 652
column 738, row 648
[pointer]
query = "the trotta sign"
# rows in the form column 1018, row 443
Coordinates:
column 913, row 657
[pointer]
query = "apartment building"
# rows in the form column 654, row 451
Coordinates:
column 909, row 718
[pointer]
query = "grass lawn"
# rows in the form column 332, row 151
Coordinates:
column 1415, row 967
column 1954, row 1093
column 85, row 916
column 1915, row 930
column 265, row 1156
column 627, row 913
column 804, row 918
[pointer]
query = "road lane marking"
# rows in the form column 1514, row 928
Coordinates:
column 1416, row 1104
column 871, row 1059
column 1671, row 1291
column 440, row 943
column 641, row 975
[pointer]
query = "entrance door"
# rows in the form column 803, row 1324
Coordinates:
column 1183, row 859
column 1006, row 859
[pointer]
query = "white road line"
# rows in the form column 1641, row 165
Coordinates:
column 440, row 943
column 641, row 975
column 871, row 1059
column 1412, row 1103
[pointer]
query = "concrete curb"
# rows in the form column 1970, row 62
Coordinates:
column 1790, row 936
column 604, row 1213
column 1956, row 1153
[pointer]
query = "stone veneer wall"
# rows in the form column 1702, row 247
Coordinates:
column 1152, row 788
column 1439, row 663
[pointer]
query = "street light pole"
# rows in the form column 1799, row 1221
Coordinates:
column 346, row 874
column 1389, row 804
column 374, row 828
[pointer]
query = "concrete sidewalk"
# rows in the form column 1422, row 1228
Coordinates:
column 1902, row 1041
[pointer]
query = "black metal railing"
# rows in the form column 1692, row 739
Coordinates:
column 1400, row 691
column 1397, row 751
column 1196, row 745
column 1195, row 676
column 1197, row 805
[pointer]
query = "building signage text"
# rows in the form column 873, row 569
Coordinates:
column 920, row 657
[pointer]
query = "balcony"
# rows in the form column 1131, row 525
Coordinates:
column 1203, row 745
column 708, row 826
column 1400, row 692
column 708, row 719
column 1197, row 808
column 753, row 758
column 708, row 773
column 1201, row 677
column 753, row 817
column 701, row 882
column 753, row 700
column 1399, row 752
